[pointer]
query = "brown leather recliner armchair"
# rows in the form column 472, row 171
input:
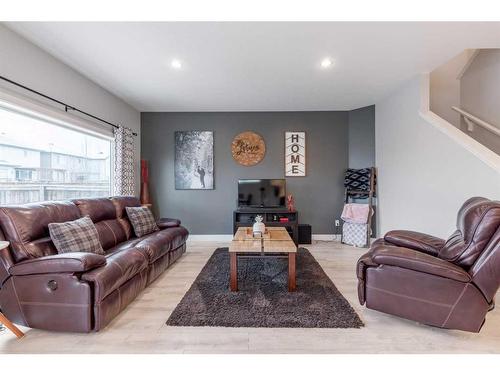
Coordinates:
column 448, row 284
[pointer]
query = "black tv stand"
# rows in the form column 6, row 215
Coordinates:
column 245, row 217
column 262, row 209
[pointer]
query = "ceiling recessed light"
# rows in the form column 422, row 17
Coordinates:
column 176, row 64
column 326, row 63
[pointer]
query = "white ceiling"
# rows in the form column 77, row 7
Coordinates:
column 254, row 66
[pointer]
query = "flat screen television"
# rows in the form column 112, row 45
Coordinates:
column 264, row 193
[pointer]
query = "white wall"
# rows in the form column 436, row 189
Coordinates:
column 480, row 95
column 424, row 174
column 22, row 61
column 445, row 87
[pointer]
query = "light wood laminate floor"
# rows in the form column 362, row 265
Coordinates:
column 141, row 327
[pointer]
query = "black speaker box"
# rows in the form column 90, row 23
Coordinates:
column 305, row 234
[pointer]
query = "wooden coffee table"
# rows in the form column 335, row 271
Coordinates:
column 276, row 242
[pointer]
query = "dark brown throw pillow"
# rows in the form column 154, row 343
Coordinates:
column 76, row 236
column 142, row 220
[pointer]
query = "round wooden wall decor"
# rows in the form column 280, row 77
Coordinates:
column 248, row 148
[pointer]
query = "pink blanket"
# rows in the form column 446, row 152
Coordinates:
column 356, row 213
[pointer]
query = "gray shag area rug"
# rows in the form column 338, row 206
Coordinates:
column 263, row 299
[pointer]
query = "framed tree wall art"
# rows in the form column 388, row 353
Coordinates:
column 295, row 154
column 194, row 160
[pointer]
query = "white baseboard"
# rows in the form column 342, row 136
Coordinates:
column 325, row 237
column 210, row 237
column 229, row 237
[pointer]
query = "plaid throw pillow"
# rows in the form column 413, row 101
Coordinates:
column 142, row 220
column 76, row 236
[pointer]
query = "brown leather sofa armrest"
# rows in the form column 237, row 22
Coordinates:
column 60, row 263
column 418, row 261
column 166, row 222
column 6, row 260
column 415, row 240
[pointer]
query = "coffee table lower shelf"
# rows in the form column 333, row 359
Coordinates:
column 233, row 282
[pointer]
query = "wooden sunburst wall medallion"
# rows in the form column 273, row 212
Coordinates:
column 248, row 148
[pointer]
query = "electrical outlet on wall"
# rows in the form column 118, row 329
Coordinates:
column 337, row 229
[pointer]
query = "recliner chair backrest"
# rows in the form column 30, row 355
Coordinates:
column 26, row 227
column 102, row 211
column 485, row 272
column 120, row 202
column 477, row 221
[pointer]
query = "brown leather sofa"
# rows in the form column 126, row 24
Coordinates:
column 79, row 292
column 448, row 284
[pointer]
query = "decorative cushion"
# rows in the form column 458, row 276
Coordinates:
column 142, row 220
column 76, row 236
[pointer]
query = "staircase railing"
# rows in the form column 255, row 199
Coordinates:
column 472, row 120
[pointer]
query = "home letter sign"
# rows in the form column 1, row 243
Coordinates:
column 295, row 154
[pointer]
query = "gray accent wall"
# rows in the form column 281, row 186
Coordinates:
column 362, row 145
column 318, row 196
column 362, row 137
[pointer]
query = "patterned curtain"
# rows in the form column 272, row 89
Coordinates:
column 124, row 162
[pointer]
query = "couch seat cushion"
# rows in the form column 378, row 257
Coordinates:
column 130, row 244
column 157, row 244
column 121, row 265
